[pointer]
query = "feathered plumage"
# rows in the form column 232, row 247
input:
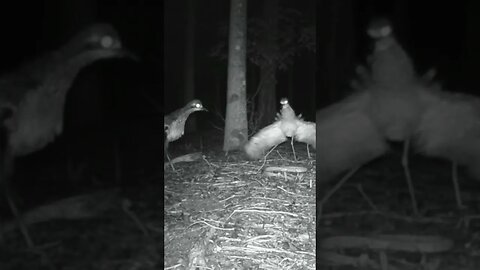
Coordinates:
column 395, row 106
column 450, row 128
column 34, row 97
column 36, row 92
column 174, row 123
column 348, row 137
column 287, row 125
column 393, row 103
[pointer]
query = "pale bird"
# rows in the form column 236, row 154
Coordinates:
column 287, row 125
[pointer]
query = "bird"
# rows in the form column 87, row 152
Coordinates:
column 348, row 137
column 408, row 106
column 32, row 97
column 396, row 107
column 450, row 129
column 287, row 125
column 391, row 102
column 174, row 123
column 386, row 107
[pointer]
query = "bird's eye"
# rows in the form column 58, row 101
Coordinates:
column 385, row 31
column 106, row 41
column 197, row 105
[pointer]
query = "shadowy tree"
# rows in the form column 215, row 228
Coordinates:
column 189, row 67
column 236, row 126
column 271, row 50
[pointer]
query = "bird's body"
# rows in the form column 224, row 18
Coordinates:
column 395, row 105
column 36, row 92
column 287, row 125
column 174, row 123
column 34, row 96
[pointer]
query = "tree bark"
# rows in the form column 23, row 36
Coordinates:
column 189, row 67
column 267, row 97
column 236, row 127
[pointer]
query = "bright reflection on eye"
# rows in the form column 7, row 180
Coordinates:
column 106, row 41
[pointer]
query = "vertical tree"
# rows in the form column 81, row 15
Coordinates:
column 471, row 55
column 189, row 67
column 268, row 68
column 236, row 113
column 338, row 42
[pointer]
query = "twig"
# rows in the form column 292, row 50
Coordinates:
column 338, row 186
column 369, row 201
column 265, row 158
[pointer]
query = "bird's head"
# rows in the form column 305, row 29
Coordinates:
column 379, row 28
column 286, row 111
column 195, row 105
column 99, row 37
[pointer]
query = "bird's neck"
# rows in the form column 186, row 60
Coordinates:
column 288, row 113
column 66, row 71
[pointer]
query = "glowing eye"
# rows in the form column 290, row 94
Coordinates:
column 198, row 105
column 284, row 101
column 106, row 41
column 386, row 30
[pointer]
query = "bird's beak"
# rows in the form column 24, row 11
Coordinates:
column 128, row 54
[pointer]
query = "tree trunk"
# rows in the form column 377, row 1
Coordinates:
column 471, row 55
column 291, row 80
column 189, row 68
column 338, row 60
column 236, row 128
column 267, row 98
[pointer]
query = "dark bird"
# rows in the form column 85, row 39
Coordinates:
column 393, row 103
column 32, row 98
column 385, row 107
column 449, row 128
column 348, row 137
column 287, row 125
column 396, row 107
column 174, row 123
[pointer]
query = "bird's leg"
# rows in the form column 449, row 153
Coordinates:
column 165, row 149
column 335, row 188
column 19, row 220
column 456, row 186
column 293, row 149
column 308, row 151
column 6, row 174
column 406, row 146
column 170, row 162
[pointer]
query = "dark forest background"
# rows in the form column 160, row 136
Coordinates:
column 113, row 108
column 211, row 17
column 444, row 35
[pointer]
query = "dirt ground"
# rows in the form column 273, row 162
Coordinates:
column 121, row 230
column 375, row 205
column 223, row 211
column 226, row 212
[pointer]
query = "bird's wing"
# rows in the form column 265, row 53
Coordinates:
column 266, row 138
column 306, row 132
column 450, row 128
column 347, row 137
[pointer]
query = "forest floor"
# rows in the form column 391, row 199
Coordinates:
column 369, row 223
column 83, row 209
column 224, row 211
